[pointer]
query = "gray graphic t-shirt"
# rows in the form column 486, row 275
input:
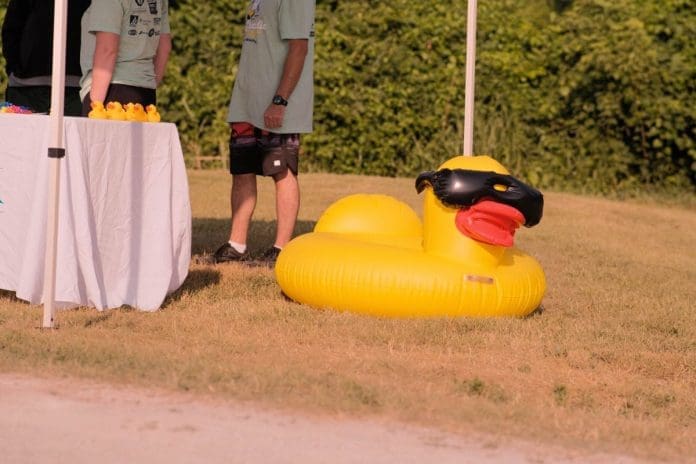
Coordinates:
column 139, row 24
column 269, row 25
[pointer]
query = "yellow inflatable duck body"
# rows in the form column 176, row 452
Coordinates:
column 115, row 111
column 98, row 111
column 371, row 254
column 152, row 113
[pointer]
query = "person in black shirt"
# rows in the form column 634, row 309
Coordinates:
column 27, row 44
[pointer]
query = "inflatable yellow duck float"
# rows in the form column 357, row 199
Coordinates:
column 371, row 254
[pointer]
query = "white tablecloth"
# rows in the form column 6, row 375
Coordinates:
column 124, row 235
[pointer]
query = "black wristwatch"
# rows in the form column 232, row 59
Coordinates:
column 278, row 100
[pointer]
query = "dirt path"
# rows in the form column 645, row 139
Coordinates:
column 63, row 421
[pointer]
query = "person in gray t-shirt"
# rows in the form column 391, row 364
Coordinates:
column 271, row 105
column 125, row 48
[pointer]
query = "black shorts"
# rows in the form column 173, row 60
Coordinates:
column 123, row 94
column 255, row 151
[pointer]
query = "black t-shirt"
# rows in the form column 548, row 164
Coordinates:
column 27, row 37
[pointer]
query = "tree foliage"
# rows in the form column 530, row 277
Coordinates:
column 585, row 94
column 595, row 95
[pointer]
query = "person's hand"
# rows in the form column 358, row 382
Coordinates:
column 273, row 117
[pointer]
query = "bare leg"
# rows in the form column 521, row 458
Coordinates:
column 287, row 205
column 243, row 201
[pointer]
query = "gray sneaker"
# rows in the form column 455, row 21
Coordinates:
column 226, row 253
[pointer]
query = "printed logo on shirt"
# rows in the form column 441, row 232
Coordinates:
column 137, row 6
column 254, row 22
column 254, row 9
column 144, row 19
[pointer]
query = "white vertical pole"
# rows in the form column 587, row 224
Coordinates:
column 56, row 150
column 470, row 79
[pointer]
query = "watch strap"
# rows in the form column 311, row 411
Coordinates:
column 279, row 100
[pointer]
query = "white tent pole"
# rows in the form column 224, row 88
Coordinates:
column 470, row 79
column 56, row 151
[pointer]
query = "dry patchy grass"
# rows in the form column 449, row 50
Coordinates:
column 610, row 364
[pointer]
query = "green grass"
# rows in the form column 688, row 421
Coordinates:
column 610, row 363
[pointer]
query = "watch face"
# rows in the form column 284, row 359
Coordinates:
column 278, row 100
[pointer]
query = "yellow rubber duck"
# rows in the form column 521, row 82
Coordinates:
column 115, row 111
column 371, row 254
column 130, row 111
column 98, row 111
column 152, row 113
column 139, row 112
column 135, row 112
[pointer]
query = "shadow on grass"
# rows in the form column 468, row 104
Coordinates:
column 196, row 281
column 98, row 319
column 537, row 312
column 8, row 295
column 210, row 233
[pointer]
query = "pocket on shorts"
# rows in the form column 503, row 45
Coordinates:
column 281, row 153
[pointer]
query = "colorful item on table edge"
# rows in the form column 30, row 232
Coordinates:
column 7, row 107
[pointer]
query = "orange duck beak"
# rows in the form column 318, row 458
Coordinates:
column 490, row 222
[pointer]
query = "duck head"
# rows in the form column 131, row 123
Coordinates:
column 475, row 199
column 114, row 106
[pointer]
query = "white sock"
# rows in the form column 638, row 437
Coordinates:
column 240, row 247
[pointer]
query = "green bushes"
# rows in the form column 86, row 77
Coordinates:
column 619, row 95
column 585, row 95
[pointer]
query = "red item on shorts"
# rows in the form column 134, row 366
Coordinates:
column 242, row 129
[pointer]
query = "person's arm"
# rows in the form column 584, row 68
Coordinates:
column 105, row 55
column 162, row 56
column 12, row 29
column 292, row 71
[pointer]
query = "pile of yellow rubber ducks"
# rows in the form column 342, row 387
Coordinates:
column 128, row 112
